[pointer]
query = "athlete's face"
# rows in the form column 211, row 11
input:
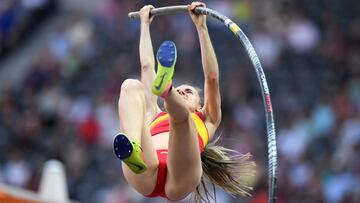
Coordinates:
column 191, row 96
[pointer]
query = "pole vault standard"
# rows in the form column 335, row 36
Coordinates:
column 271, row 136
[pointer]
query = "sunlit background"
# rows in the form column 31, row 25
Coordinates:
column 62, row 64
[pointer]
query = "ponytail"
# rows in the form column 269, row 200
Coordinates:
column 226, row 168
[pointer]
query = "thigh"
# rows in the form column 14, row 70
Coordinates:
column 144, row 183
column 184, row 160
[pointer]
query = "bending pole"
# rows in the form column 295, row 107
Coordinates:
column 271, row 136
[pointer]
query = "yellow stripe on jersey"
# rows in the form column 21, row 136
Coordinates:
column 199, row 124
column 201, row 128
column 158, row 120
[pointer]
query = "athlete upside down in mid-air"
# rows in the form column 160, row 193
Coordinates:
column 165, row 153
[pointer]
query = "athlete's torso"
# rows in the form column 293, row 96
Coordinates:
column 159, row 128
column 161, row 140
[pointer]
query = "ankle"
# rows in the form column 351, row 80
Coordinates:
column 167, row 92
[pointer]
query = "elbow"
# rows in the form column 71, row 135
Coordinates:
column 211, row 73
column 146, row 64
column 212, row 77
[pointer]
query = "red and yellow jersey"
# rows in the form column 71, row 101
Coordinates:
column 161, row 124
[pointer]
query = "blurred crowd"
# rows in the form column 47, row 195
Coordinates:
column 66, row 105
column 18, row 20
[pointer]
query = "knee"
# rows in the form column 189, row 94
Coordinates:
column 131, row 85
column 182, row 116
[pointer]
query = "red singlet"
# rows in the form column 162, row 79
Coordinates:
column 161, row 124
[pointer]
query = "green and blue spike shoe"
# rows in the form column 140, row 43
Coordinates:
column 129, row 153
column 166, row 59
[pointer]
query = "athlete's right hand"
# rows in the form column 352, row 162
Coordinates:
column 145, row 14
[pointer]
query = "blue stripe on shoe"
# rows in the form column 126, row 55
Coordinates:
column 167, row 54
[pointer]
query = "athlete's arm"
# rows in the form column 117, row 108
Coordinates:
column 212, row 100
column 147, row 61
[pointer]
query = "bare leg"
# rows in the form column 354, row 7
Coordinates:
column 132, row 113
column 184, row 161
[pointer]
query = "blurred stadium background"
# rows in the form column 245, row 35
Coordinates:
column 62, row 64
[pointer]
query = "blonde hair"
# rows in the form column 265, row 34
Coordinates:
column 226, row 168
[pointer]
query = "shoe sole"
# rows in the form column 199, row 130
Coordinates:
column 166, row 59
column 123, row 149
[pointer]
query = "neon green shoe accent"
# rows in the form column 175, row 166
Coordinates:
column 166, row 59
column 135, row 161
column 130, row 153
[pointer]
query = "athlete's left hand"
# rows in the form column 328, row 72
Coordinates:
column 199, row 20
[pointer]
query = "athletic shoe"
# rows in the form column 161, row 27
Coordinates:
column 166, row 59
column 129, row 152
